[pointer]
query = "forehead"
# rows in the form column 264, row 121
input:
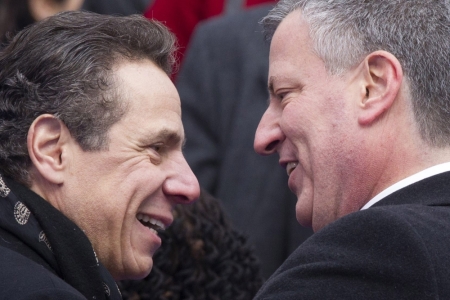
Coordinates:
column 291, row 36
column 143, row 74
column 292, row 50
column 151, row 98
column 143, row 85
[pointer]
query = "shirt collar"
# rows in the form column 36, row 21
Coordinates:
column 437, row 169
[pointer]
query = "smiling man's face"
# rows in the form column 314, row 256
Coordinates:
column 311, row 125
column 123, row 195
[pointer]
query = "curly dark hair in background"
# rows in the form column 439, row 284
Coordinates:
column 14, row 15
column 63, row 66
column 202, row 257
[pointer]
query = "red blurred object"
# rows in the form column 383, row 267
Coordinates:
column 181, row 16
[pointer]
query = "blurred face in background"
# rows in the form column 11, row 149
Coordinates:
column 15, row 15
column 41, row 9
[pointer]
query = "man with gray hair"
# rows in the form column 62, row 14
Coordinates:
column 359, row 113
column 91, row 165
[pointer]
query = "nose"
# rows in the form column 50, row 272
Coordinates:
column 181, row 185
column 268, row 134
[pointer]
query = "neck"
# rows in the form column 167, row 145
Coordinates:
column 407, row 157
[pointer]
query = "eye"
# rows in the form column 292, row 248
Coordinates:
column 158, row 147
column 156, row 153
column 281, row 96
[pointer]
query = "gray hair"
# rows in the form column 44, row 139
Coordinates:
column 63, row 66
column 415, row 31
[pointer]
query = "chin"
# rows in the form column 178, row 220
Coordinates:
column 302, row 221
column 302, row 217
column 142, row 275
column 132, row 274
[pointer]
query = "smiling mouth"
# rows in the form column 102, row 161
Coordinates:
column 290, row 167
column 154, row 225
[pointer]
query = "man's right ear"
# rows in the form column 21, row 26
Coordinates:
column 47, row 143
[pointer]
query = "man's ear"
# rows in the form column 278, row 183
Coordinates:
column 47, row 142
column 383, row 77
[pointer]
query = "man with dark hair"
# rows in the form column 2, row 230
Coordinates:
column 359, row 113
column 90, row 154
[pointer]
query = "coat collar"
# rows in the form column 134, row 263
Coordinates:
column 431, row 191
column 61, row 243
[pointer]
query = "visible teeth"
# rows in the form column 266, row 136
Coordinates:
column 157, row 225
column 290, row 167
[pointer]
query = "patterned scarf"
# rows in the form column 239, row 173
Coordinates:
column 64, row 247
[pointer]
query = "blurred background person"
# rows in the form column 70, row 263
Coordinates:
column 117, row 7
column 223, row 89
column 202, row 257
column 17, row 14
column 182, row 16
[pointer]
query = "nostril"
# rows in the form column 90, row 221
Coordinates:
column 271, row 146
column 181, row 199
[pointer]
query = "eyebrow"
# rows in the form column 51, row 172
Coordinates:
column 270, row 85
column 168, row 136
column 270, row 88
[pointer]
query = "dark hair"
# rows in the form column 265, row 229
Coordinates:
column 63, row 66
column 202, row 257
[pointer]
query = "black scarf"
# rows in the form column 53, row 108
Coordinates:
column 65, row 249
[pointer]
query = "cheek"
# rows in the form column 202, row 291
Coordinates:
column 292, row 123
column 300, row 119
column 301, row 134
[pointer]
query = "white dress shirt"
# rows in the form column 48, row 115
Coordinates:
column 441, row 168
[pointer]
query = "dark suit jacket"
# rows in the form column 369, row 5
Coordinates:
column 397, row 249
column 223, row 90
